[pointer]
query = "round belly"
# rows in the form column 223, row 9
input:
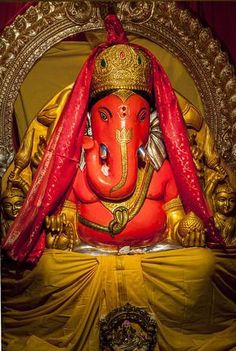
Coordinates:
column 145, row 228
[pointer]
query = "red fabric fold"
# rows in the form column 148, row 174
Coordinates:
column 55, row 173
column 115, row 31
column 177, row 144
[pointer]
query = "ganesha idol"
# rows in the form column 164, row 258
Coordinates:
column 115, row 220
column 120, row 192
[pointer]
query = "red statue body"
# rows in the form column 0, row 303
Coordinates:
column 138, row 231
column 91, row 186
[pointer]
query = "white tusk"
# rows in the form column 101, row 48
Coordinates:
column 142, row 153
column 105, row 170
column 103, row 152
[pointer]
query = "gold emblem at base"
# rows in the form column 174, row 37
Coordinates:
column 128, row 328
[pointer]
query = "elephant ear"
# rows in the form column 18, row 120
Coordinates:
column 155, row 147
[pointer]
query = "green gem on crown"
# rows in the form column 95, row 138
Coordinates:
column 103, row 63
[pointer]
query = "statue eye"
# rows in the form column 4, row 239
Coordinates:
column 142, row 114
column 104, row 114
column 19, row 204
column 7, row 205
column 221, row 199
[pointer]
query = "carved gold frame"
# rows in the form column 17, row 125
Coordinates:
column 44, row 25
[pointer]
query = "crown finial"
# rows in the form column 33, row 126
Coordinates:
column 115, row 30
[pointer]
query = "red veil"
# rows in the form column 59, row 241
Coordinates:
column 26, row 240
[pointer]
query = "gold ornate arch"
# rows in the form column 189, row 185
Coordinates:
column 46, row 24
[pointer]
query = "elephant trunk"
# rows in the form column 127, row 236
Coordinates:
column 124, row 163
column 112, row 172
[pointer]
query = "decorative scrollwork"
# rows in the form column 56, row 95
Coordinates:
column 135, row 11
column 219, row 80
column 80, row 12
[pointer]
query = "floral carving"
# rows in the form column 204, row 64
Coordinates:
column 136, row 11
column 79, row 12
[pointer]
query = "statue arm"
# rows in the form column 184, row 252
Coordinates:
column 18, row 181
column 61, row 228
column 81, row 191
column 166, row 187
column 174, row 213
column 187, row 229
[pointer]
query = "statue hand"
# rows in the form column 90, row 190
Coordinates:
column 198, row 157
column 197, row 152
column 60, row 232
column 220, row 175
column 42, row 144
column 191, row 231
column 37, row 157
column 55, row 224
column 14, row 178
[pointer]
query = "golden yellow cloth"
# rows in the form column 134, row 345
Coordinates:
column 57, row 305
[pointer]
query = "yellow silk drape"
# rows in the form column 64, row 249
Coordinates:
column 57, row 306
column 60, row 66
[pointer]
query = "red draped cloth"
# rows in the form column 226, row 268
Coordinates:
column 26, row 239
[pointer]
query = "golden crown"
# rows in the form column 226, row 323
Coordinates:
column 122, row 67
column 225, row 188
